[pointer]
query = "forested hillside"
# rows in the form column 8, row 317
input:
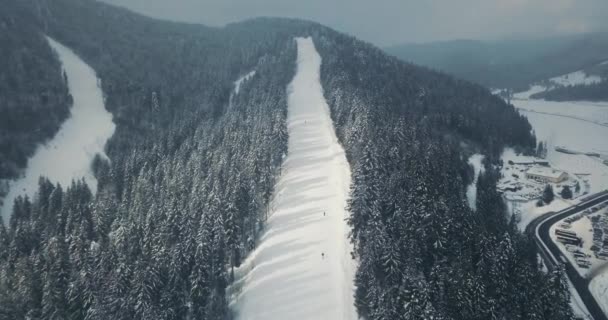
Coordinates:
column 581, row 92
column 33, row 94
column 508, row 63
column 193, row 167
column 189, row 181
column 423, row 253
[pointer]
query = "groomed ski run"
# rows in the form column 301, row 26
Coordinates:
column 302, row 268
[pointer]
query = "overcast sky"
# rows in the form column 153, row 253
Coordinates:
column 386, row 22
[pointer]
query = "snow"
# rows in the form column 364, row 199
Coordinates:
column 599, row 289
column 287, row 276
column 576, row 135
column 522, row 203
column 575, row 126
column 567, row 132
column 575, row 78
column 241, row 80
column 475, row 160
column 529, row 211
column 583, row 228
column 526, row 94
column 84, row 134
column 596, row 112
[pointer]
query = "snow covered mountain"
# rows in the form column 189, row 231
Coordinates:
column 215, row 184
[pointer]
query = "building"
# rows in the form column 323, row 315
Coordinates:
column 546, row 175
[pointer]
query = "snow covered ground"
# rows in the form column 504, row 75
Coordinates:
column 84, row 134
column 302, row 268
column 522, row 202
column 577, row 135
column 576, row 125
column 582, row 225
column 570, row 79
column 241, row 80
column 575, row 78
column 599, row 289
column 475, row 160
column 567, row 132
column 596, row 112
column 580, row 126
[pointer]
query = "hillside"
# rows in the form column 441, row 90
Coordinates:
column 193, row 167
column 33, row 95
column 508, row 63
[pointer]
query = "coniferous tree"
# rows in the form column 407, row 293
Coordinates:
column 548, row 194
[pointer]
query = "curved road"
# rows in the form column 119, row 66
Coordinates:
column 551, row 254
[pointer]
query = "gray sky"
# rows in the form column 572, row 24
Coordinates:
column 385, row 22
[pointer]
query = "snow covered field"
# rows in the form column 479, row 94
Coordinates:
column 596, row 112
column 84, row 134
column 570, row 79
column 241, row 80
column 302, row 268
column 577, row 135
column 574, row 78
column 580, row 126
column 576, row 125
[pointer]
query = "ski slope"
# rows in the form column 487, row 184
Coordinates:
column 475, row 161
column 84, row 134
column 302, row 268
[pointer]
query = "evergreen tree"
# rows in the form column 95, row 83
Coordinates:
column 566, row 192
column 548, row 194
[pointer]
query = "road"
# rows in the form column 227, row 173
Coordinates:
column 565, row 116
column 551, row 253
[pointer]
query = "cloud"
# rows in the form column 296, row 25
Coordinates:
column 395, row 21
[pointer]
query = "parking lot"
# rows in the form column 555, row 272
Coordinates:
column 583, row 238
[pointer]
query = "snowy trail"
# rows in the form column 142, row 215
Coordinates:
column 286, row 277
column 475, row 161
column 84, row 134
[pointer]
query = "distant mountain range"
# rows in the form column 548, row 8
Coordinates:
column 509, row 63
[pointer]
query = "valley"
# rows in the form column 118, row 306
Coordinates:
column 572, row 133
column 270, row 168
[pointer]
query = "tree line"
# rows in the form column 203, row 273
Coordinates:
column 193, row 166
column 423, row 253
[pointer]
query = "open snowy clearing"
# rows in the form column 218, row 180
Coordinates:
column 302, row 268
column 596, row 112
column 570, row 133
column 575, row 78
column 579, row 126
column 475, row 161
column 576, row 135
column 69, row 154
column 571, row 79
